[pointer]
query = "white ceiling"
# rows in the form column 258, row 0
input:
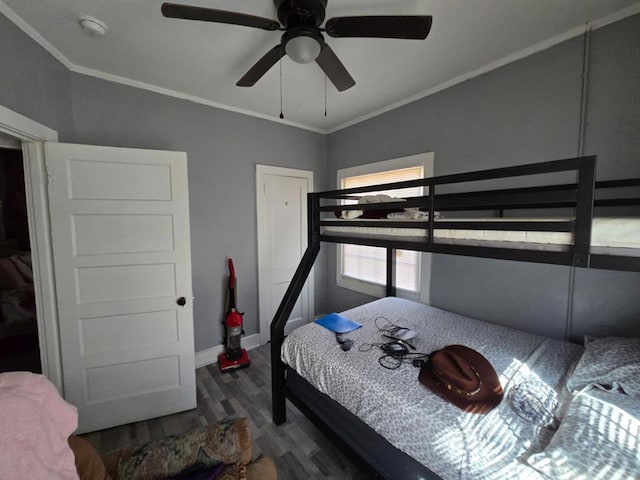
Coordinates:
column 203, row 61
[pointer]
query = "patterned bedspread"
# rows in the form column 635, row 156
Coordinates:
column 450, row 442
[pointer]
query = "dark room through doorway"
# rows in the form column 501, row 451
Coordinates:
column 19, row 346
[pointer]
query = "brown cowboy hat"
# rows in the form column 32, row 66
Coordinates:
column 463, row 377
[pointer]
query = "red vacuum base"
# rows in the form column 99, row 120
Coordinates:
column 227, row 365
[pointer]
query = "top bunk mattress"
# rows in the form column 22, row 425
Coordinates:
column 449, row 441
column 609, row 235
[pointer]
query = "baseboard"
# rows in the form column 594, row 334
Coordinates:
column 210, row 355
column 292, row 325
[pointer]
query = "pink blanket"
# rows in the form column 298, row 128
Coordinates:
column 35, row 424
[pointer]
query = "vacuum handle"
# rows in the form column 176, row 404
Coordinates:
column 232, row 275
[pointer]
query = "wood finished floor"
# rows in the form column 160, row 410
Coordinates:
column 300, row 450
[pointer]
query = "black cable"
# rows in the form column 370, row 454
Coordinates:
column 395, row 353
column 391, row 330
column 367, row 347
column 393, row 362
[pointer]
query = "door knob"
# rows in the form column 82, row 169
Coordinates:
column 181, row 301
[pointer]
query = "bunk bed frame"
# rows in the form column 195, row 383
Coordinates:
column 335, row 420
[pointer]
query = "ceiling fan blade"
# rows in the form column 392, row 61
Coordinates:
column 334, row 69
column 261, row 67
column 186, row 12
column 415, row 27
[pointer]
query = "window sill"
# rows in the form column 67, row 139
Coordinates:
column 373, row 289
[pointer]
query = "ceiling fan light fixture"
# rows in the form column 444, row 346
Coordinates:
column 303, row 48
column 302, row 44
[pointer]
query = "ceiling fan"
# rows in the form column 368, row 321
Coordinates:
column 302, row 39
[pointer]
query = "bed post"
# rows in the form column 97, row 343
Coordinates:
column 391, row 272
column 278, row 394
column 584, row 211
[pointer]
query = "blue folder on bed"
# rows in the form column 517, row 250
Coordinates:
column 337, row 323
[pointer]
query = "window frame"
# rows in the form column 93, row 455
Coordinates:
column 426, row 161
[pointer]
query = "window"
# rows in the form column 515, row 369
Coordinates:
column 363, row 268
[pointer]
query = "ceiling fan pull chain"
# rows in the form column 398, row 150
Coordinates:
column 281, row 114
column 325, row 95
column 302, row 38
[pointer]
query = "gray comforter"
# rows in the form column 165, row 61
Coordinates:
column 450, row 442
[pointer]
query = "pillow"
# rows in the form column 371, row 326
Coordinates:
column 199, row 449
column 611, row 363
column 599, row 438
column 10, row 278
column 24, row 257
column 23, row 268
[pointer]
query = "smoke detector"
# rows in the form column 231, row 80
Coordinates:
column 92, row 26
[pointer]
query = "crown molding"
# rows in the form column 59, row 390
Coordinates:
column 58, row 55
column 541, row 46
column 31, row 32
column 184, row 96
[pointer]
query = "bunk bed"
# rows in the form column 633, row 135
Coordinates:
column 569, row 233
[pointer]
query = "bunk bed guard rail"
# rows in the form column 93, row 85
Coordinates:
column 579, row 195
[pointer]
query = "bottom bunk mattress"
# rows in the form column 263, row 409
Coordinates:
column 450, row 442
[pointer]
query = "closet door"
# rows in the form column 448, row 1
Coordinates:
column 282, row 239
column 121, row 251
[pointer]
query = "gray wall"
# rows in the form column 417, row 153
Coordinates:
column 524, row 112
column 32, row 82
column 613, row 99
column 223, row 149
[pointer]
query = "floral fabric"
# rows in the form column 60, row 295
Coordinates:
column 201, row 448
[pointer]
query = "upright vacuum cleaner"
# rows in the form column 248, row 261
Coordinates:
column 234, row 356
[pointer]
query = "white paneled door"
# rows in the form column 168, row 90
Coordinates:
column 121, row 251
column 282, row 240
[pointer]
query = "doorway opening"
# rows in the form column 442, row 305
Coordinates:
column 19, row 343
